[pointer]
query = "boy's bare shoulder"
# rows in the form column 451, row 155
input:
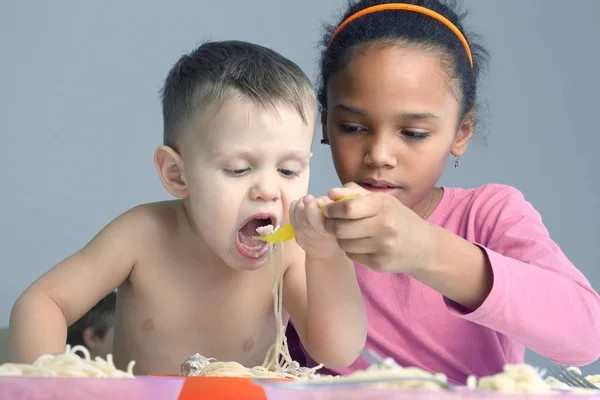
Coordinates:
column 153, row 219
column 107, row 260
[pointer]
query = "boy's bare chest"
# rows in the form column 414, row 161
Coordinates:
column 167, row 317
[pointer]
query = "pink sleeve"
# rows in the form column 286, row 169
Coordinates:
column 538, row 298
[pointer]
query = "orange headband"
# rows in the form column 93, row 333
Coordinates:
column 408, row 7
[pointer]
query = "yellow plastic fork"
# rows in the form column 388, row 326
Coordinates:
column 286, row 232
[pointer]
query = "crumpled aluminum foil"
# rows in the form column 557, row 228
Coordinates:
column 194, row 365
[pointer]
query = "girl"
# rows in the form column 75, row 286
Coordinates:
column 455, row 281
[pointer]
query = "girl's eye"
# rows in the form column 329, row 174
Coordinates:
column 237, row 172
column 287, row 172
column 351, row 128
column 416, row 135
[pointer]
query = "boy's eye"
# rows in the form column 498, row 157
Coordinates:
column 237, row 172
column 416, row 135
column 351, row 128
column 287, row 172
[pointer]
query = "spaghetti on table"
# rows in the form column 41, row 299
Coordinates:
column 69, row 364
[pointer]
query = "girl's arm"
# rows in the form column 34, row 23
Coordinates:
column 517, row 281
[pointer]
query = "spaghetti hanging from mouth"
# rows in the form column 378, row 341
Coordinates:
column 278, row 362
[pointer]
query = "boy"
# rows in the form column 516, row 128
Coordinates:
column 96, row 329
column 238, row 126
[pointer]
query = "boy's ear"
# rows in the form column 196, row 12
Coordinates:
column 170, row 169
column 324, row 126
column 465, row 132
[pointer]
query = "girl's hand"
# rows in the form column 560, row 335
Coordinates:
column 379, row 232
column 308, row 223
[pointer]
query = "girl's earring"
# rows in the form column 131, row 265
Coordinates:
column 457, row 161
column 324, row 141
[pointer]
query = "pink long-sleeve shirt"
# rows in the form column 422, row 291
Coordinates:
column 539, row 300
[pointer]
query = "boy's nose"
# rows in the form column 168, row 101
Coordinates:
column 264, row 191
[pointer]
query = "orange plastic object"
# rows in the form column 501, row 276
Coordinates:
column 408, row 7
column 212, row 388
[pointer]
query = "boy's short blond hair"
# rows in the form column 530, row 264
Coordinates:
column 217, row 70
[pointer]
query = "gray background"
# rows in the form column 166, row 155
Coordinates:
column 80, row 114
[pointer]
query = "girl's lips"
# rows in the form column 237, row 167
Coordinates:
column 380, row 187
column 378, row 183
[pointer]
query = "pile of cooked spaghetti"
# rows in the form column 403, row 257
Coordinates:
column 69, row 364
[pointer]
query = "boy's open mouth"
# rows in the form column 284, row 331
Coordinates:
column 248, row 246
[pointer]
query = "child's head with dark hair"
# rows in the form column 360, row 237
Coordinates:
column 398, row 90
column 95, row 329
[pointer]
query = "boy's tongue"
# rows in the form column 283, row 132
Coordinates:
column 247, row 232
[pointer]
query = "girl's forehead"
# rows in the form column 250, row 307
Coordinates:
column 408, row 65
column 394, row 76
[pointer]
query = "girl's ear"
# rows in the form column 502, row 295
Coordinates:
column 464, row 134
column 170, row 169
